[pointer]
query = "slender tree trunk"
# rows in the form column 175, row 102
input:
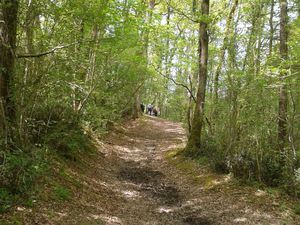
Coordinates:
column 256, row 18
column 194, row 141
column 77, row 49
column 271, row 29
column 224, row 47
column 29, row 70
column 168, row 57
column 92, row 54
column 8, row 32
column 136, row 106
column 283, row 98
column 257, row 63
column 190, row 105
column 188, row 115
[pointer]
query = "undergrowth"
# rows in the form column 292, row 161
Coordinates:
column 61, row 193
column 185, row 161
column 247, row 166
column 26, row 161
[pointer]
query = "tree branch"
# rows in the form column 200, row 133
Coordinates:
column 177, row 83
column 179, row 12
column 82, row 102
column 135, row 91
column 53, row 50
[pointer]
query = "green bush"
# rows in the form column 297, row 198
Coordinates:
column 21, row 169
column 218, row 160
column 67, row 139
column 272, row 170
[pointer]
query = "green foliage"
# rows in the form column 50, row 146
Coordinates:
column 203, row 161
column 272, row 170
column 61, row 193
column 5, row 200
column 67, row 139
column 213, row 156
column 21, row 169
column 297, row 209
column 84, row 87
column 28, row 203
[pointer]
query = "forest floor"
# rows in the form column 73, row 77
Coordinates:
column 135, row 178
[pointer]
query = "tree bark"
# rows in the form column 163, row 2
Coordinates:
column 271, row 28
column 194, row 140
column 29, row 68
column 258, row 56
column 283, row 98
column 8, row 33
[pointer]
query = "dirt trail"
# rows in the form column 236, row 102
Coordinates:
column 130, row 182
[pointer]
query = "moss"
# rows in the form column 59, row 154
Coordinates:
column 173, row 153
column 191, row 167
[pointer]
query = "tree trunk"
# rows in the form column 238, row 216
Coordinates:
column 257, row 63
column 8, row 32
column 136, row 112
column 283, row 99
column 233, row 91
column 188, row 115
column 29, row 69
column 224, row 47
column 194, row 141
column 271, row 28
column 92, row 54
column 256, row 18
column 136, row 106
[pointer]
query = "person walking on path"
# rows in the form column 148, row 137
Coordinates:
column 149, row 109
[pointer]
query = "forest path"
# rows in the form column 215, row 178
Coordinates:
column 132, row 181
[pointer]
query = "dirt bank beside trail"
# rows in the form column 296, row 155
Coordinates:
column 132, row 180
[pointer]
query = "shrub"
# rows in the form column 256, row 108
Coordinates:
column 271, row 170
column 242, row 165
column 67, row 139
column 21, row 168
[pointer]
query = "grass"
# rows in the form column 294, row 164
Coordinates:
column 195, row 169
column 199, row 171
column 61, row 193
